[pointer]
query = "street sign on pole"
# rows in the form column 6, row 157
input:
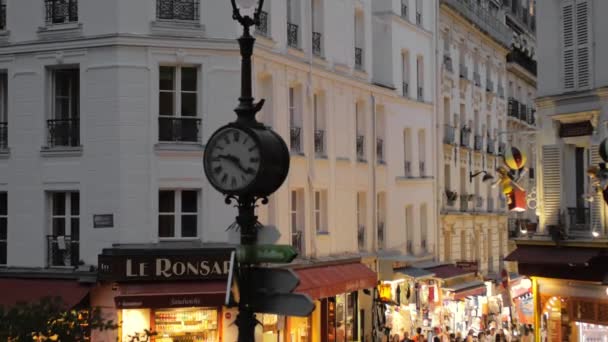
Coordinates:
column 287, row 304
column 273, row 280
column 231, row 298
column 252, row 254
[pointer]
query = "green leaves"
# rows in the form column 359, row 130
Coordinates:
column 48, row 320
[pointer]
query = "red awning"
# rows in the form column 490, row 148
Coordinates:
column 328, row 281
column 171, row 294
column 14, row 290
column 552, row 255
column 447, row 271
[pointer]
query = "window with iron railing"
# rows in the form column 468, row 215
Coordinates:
column 381, row 235
column 380, row 150
column 358, row 58
column 361, row 147
column 262, row 28
column 295, row 139
column 478, row 142
column 320, row 143
column 63, row 240
column 491, row 146
column 407, row 168
column 422, row 169
column 61, row 11
column 361, row 237
column 489, row 85
column 292, row 35
column 316, row 44
column 449, row 136
column 420, row 94
column 178, row 119
column 177, row 9
column 406, row 89
column 500, row 91
column 63, row 129
column 404, row 12
column 501, row 148
column 296, row 203
column 490, row 207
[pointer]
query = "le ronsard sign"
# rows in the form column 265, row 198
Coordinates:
column 164, row 265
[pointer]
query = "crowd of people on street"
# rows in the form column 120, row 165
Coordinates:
column 445, row 335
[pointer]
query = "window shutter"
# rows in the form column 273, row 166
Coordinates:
column 552, row 186
column 598, row 200
column 568, row 44
column 583, row 44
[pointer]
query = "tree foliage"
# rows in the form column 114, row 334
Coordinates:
column 48, row 320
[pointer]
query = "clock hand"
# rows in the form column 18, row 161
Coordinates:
column 236, row 161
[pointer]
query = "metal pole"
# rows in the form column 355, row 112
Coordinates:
column 246, row 220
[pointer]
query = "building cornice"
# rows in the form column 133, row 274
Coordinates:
column 394, row 17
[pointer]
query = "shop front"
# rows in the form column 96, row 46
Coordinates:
column 174, row 295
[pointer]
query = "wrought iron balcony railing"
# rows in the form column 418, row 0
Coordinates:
column 381, row 235
column 483, row 18
column 404, row 10
column 295, row 139
column 491, row 146
column 61, row 11
column 422, row 169
column 361, row 237
column 579, row 219
column 523, row 112
column 406, row 89
column 513, row 108
column 360, row 147
column 447, row 63
column 3, row 17
column 407, row 169
column 182, row 129
column 380, row 150
column 449, row 136
column 477, row 78
column 296, row 241
column 316, row 43
column 358, row 58
column 478, row 141
column 3, row 135
column 465, row 138
column 62, row 251
column 262, row 28
column 478, row 201
column 63, row 132
column 320, row 143
column 292, row 35
column 463, row 71
column 177, row 10
column 464, row 202
column 518, row 57
column 420, row 94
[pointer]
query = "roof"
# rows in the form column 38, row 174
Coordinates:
column 448, row 271
column 465, row 285
column 549, row 255
column 414, row 272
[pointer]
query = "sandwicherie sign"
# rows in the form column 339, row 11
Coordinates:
column 144, row 265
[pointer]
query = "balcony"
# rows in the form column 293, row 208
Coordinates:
column 183, row 129
column 478, row 202
column 316, row 44
column 482, row 18
column 418, row 18
column 490, row 207
column 63, row 132
column 177, row 9
column 463, row 72
column 500, row 91
column 381, row 235
column 513, row 108
column 579, row 219
column 501, row 148
column 292, row 35
column 422, row 169
column 62, row 251
column 380, row 150
column 61, row 11
column 2, row 17
column 407, row 169
column 489, row 85
column 449, row 136
column 491, row 146
column 532, row 117
column 405, row 89
column 465, row 137
column 320, row 143
column 464, row 203
column 447, row 63
column 296, row 241
column 295, row 139
column 478, row 142
column 520, row 58
column 477, row 79
column 262, row 28
column 358, row 58
column 420, row 94
column 361, row 237
column 3, row 135
column 360, row 148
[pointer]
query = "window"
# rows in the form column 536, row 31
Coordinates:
column 3, row 228
column 420, row 77
column 381, row 219
column 317, row 27
column 296, row 204
column 61, row 11
column 422, row 152
column 576, row 44
column 63, row 242
column 3, row 111
column 264, row 27
column 404, row 9
column 177, row 9
column 2, row 15
column 463, row 245
column 423, row 228
column 409, row 229
column 64, row 125
column 178, row 213
column 359, row 40
column 320, row 211
column 362, row 220
column 178, row 119
column 360, row 131
column 265, row 91
column 295, row 119
column 419, row 12
column 405, row 73
column 293, row 20
column 407, row 143
column 319, row 123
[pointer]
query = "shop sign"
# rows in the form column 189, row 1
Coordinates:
column 575, row 129
column 169, row 301
column 215, row 264
column 469, row 266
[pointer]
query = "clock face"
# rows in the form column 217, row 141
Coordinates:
column 232, row 159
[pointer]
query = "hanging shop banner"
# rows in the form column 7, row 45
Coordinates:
column 525, row 309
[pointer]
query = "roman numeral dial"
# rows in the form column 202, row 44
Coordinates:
column 232, row 159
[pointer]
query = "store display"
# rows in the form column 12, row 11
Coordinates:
column 186, row 325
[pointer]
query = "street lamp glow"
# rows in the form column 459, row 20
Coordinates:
column 246, row 4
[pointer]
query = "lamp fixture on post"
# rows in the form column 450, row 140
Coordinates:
column 486, row 176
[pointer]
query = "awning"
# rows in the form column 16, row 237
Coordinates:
column 413, row 272
column 171, row 294
column 466, row 289
column 447, row 271
column 552, row 255
column 328, row 281
column 15, row 290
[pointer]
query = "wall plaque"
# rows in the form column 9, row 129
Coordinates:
column 103, row 221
